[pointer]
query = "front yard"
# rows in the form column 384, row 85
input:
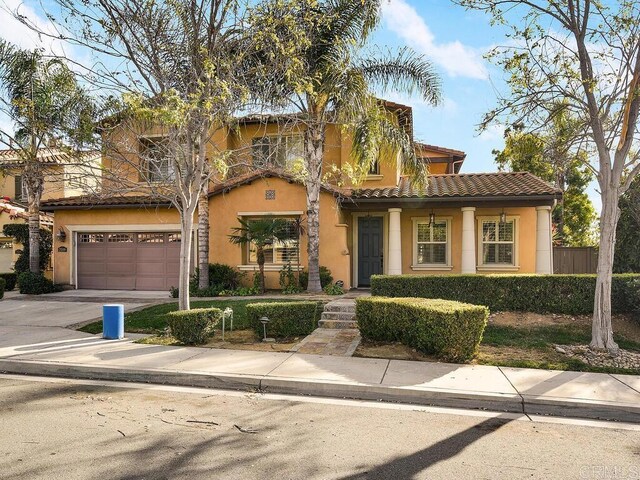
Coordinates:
column 511, row 339
column 528, row 340
column 153, row 320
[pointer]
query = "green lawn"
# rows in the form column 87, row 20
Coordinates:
column 153, row 319
column 533, row 347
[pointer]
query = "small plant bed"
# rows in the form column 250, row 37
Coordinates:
column 245, row 339
column 530, row 340
column 153, row 320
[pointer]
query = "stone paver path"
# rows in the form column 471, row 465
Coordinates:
column 327, row 341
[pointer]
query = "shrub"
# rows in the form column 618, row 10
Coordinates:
column 20, row 231
column 193, row 327
column 567, row 294
column 288, row 280
column 325, row 278
column 240, row 292
column 333, row 289
column 35, row 284
column 286, row 319
column 10, row 279
column 2, row 286
column 450, row 330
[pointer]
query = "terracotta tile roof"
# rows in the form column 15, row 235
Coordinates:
column 16, row 210
column 447, row 151
column 271, row 173
column 52, row 156
column 470, row 185
column 88, row 201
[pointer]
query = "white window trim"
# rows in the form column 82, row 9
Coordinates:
column 280, row 138
column 414, row 243
column 484, row 267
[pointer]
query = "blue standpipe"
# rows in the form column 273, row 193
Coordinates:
column 113, row 321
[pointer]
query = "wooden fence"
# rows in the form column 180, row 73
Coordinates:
column 575, row 259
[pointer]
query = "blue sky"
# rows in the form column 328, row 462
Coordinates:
column 453, row 38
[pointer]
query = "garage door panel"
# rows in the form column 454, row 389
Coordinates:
column 151, row 254
column 121, row 283
column 92, row 281
column 146, row 269
column 128, row 261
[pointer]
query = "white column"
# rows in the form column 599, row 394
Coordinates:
column 468, row 240
column 544, row 242
column 395, row 243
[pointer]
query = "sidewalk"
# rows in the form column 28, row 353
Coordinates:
column 527, row 391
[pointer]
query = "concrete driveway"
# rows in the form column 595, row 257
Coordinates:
column 29, row 320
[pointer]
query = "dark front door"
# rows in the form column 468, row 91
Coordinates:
column 370, row 256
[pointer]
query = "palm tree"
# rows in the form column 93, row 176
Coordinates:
column 44, row 102
column 261, row 233
column 315, row 64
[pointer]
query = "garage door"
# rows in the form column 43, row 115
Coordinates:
column 128, row 261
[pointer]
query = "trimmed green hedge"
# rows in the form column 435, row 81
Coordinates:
column 35, row 284
column 286, row 319
column 2, row 286
column 10, row 280
column 450, row 330
column 194, row 327
column 568, row 294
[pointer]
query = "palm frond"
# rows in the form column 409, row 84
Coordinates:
column 404, row 71
column 379, row 137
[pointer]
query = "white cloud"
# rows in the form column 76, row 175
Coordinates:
column 493, row 133
column 24, row 37
column 456, row 59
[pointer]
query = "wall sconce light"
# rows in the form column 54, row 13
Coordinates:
column 432, row 218
column 61, row 235
column 503, row 217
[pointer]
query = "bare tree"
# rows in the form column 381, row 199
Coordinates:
column 174, row 70
column 585, row 54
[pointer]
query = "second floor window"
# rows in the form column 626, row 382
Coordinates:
column 374, row 168
column 156, row 157
column 20, row 189
column 277, row 151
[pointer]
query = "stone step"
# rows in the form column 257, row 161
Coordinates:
column 335, row 324
column 341, row 306
column 338, row 315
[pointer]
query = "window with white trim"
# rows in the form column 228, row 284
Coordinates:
column 498, row 242
column 432, row 242
column 280, row 151
column 279, row 252
column 156, row 156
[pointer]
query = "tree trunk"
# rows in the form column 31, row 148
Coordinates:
column 602, row 331
column 260, row 259
column 185, row 259
column 34, row 236
column 313, row 145
column 203, row 240
column 34, row 185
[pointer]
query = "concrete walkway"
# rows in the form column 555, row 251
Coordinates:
column 571, row 394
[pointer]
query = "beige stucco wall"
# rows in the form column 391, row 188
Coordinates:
column 225, row 208
column 525, row 237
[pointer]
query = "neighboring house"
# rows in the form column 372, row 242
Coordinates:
column 11, row 212
column 461, row 223
column 64, row 177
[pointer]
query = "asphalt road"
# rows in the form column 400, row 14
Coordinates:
column 90, row 430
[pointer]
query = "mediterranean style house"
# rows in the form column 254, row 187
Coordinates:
column 64, row 177
column 460, row 223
